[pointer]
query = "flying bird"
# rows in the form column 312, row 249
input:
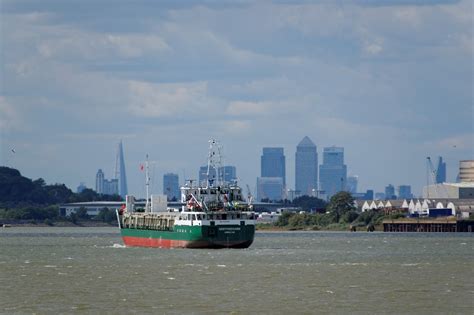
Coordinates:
column 13, row 150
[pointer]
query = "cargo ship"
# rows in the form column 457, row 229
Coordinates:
column 214, row 214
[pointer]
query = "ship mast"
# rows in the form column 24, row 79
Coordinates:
column 147, row 184
column 214, row 162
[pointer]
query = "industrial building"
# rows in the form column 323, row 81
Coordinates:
column 466, row 171
column 450, row 190
column 462, row 190
column 462, row 208
column 158, row 203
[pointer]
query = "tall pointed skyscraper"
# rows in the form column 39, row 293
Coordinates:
column 120, row 171
column 441, row 171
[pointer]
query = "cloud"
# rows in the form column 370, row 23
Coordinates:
column 9, row 117
column 374, row 48
column 74, row 44
column 169, row 99
column 458, row 142
column 360, row 73
column 243, row 108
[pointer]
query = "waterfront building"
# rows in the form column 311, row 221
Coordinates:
column 306, row 167
column 99, row 182
column 171, row 186
column 270, row 188
column 272, row 163
column 404, row 192
column 227, row 173
column 333, row 171
column 390, row 192
column 352, row 182
column 441, row 171
column 120, row 174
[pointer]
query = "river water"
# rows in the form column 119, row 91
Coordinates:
column 87, row 270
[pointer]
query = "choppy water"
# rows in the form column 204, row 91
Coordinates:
column 87, row 270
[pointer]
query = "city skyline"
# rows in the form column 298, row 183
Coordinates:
column 374, row 78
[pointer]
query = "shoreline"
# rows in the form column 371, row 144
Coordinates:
column 89, row 224
column 56, row 224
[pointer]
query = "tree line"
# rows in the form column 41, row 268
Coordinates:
column 339, row 212
column 22, row 198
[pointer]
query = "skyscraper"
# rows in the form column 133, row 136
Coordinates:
column 111, row 187
column 441, row 171
column 272, row 163
column 333, row 171
column 99, row 182
column 404, row 192
column 352, row 182
column 81, row 188
column 105, row 186
column 228, row 173
column 120, row 171
column 306, row 167
column 171, row 186
column 270, row 188
column 390, row 192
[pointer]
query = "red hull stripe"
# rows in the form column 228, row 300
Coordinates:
column 165, row 243
column 153, row 242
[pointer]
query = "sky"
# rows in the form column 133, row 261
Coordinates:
column 390, row 81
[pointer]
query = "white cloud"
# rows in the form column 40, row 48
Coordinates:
column 169, row 99
column 242, row 108
column 348, row 75
column 72, row 43
column 9, row 118
column 373, row 48
column 237, row 128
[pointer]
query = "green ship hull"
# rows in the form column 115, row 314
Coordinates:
column 222, row 236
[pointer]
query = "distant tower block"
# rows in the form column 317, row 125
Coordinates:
column 120, row 171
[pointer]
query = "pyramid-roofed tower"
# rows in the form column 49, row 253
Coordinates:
column 306, row 142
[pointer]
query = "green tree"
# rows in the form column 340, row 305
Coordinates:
column 107, row 215
column 308, row 203
column 349, row 217
column 82, row 213
column 340, row 204
column 283, row 219
column 73, row 217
